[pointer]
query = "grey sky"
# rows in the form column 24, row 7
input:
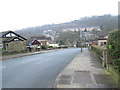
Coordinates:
column 17, row 14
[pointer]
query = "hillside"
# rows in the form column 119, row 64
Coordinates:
column 107, row 22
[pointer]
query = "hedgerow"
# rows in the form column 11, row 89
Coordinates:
column 98, row 49
column 113, row 47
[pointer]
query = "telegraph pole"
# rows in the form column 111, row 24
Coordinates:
column 80, row 40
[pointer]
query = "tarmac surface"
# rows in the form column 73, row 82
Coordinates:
column 36, row 71
column 84, row 71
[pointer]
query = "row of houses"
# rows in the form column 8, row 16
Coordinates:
column 100, row 42
column 11, row 41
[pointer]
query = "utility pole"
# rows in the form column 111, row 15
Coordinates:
column 80, row 40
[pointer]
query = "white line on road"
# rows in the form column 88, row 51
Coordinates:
column 3, row 67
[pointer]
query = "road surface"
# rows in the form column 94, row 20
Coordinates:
column 36, row 71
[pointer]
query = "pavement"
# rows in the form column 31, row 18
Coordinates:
column 25, row 54
column 85, row 71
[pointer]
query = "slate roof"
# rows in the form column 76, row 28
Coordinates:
column 9, row 39
column 31, row 41
column 7, row 32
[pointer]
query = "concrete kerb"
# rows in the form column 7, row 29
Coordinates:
column 26, row 54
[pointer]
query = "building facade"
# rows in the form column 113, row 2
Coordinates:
column 12, row 41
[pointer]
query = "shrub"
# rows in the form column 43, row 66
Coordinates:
column 98, row 49
column 117, row 64
column 50, row 46
column 113, row 47
column 43, row 47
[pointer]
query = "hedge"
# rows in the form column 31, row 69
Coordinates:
column 98, row 49
column 113, row 47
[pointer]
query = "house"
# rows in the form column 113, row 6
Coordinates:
column 102, row 41
column 42, row 39
column 51, row 43
column 33, row 44
column 43, row 42
column 54, row 45
column 12, row 41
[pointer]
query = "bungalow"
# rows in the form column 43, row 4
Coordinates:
column 12, row 41
column 33, row 44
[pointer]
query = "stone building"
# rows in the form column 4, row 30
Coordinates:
column 12, row 41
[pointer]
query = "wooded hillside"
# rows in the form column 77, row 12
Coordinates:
column 107, row 22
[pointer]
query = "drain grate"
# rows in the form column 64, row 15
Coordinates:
column 64, row 79
column 82, row 77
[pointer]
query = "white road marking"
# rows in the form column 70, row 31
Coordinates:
column 3, row 67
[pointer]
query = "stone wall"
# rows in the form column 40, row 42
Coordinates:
column 16, row 46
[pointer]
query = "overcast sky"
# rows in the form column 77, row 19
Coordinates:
column 17, row 14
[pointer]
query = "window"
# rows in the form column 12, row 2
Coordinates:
column 16, row 39
column 105, row 43
column 102, row 43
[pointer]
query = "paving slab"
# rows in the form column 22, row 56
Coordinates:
column 85, row 71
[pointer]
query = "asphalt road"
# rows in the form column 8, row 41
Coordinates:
column 36, row 71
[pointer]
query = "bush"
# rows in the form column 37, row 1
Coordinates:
column 117, row 64
column 50, row 46
column 113, row 47
column 43, row 47
column 98, row 49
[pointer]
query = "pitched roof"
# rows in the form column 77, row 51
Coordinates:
column 32, row 41
column 35, row 42
column 7, row 32
column 11, row 39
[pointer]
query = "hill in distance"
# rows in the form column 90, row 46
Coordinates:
column 107, row 22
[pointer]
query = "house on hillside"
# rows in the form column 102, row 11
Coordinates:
column 42, row 39
column 52, row 43
column 12, row 41
column 102, row 41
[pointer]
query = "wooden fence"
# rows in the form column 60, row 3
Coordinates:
column 102, row 53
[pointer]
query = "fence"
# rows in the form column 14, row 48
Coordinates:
column 102, row 53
